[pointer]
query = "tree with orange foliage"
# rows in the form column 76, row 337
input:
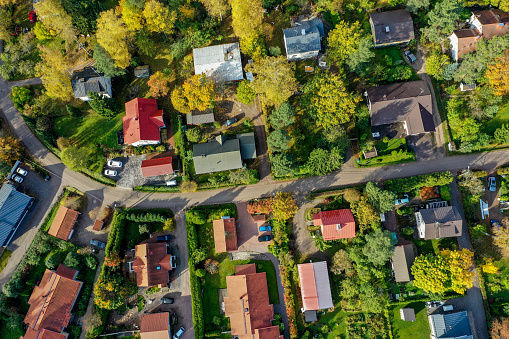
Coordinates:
column 112, row 260
column 263, row 206
column 500, row 328
column 197, row 93
column 159, row 84
column 498, row 74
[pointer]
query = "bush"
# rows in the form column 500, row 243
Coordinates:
column 53, row 260
column 196, row 216
column 200, row 273
column 275, row 51
column 407, row 231
column 503, row 170
column 245, row 93
column 72, row 260
column 73, row 111
column 169, row 225
column 405, row 210
column 445, row 192
column 193, row 134
column 91, row 262
column 20, row 96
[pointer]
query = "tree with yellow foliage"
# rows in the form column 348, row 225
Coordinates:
column 53, row 72
column 490, row 268
column 112, row 34
column 253, row 45
column 498, row 75
column 197, row 93
column 158, row 17
column 501, row 239
column 275, row 79
column 216, row 8
column 284, row 206
column 10, row 150
column 247, row 16
column 112, row 291
column 344, row 40
column 132, row 14
column 55, row 18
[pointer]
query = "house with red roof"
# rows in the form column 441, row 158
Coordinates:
column 153, row 264
column 155, row 326
column 225, row 235
column 336, row 224
column 159, row 166
column 51, row 303
column 142, row 122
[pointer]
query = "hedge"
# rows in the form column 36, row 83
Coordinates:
column 192, row 245
column 411, row 184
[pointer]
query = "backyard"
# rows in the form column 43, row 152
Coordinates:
column 418, row 329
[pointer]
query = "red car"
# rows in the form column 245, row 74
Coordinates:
column 31, row 16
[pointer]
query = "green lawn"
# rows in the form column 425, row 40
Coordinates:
column 335, row 321
column 418, row 329
column 4, row 259
column 502, row 117
column 436, row 245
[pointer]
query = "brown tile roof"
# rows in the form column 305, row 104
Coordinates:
column 315, row 286
column 467, row 39
column 155, row 326
column 98, row 225
column 245, row 269
column 408, row 102
column 401, row 27
column 271, row 332
column 43, row 334
column 248, row 304
column 441, row 222
column 66, row 272
column 259, row 218
column 157, row 166
column 225, row 235
column 491, row 16
column 329, row 220
column 151, row 265
column 51, row 302
column 63, row 223
column 402, row 259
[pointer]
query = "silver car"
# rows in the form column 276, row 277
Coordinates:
column 114, row 163
column 110, row 173
column 21, row 171
column 493, row 184
column 17, row 178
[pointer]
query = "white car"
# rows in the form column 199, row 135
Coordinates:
column 172, row 183
column 110, row 173
column 17, row 178
column 179, row 333
column 114, row 163
column 21, row 171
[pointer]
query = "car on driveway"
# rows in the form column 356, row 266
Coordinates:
column 265, row 238
column 21, row 171
column 179, row 333
column 115, row 163
column 165, row 237
column 231, row 121
column 110, row 173
column 17, row 178
column 167, row 300
column 265, row 228
column 493, row 184
column 410, row 57
column 402, row 201
column 31, row 16
column 97, row 243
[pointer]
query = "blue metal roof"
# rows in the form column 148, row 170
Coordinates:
column 451, row 326
column 13, row 207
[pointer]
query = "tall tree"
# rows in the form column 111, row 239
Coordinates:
column 498, row 75
column 10, row 150
column 470, row 182
column 197, row 93
column 105, row 64
column 132, row 14
column 378, row 248
column 343, row 40
column 158, row 17
column 284, row 206
column 501, row 239
column 112, row 34
column 279, row 140
column 247, row 16
column 159, row 84
column 365, row 214
column 436, row 64
column 414, row 5
column 54, row 17
column 282, row 164
column 53, row 72
column 283, row 116
column 381, row 200
column 441, row 19
column 359, row 60
column 216, row 8
column 275, row 80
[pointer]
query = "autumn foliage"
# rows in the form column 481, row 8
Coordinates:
column 112, row 260
column 498, row 75
column 263, row 206
column 500, row 328
column 159, row 84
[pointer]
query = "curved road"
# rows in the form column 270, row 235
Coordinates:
column 62, row 176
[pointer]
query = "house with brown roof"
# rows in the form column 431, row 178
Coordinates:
column 402, row 260
column 259, row 218
column 247, row 304
column 336, row 224
column 439, row 222
column 155, row 326
column 63, row 224
column 142, row 122
column 159, row 166
column 391, row 27
column 152, row 264
column 315, row 286
column 51, row 303
column 225, row 235
column 483, row 24
column 408, row 104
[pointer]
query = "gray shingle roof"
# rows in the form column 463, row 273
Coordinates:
column 401, row 27
column 88, row 80
column 215, row 156
column 442, row 222
column 247, row 145
column 402, row 259
column 142, row 71
column 296, row 42
column 222, row 62
column 407, row 314
column 13, row 207
column 451, row 326
column 200, row 117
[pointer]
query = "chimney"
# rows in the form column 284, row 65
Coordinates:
column 387, row 29
column 385, row 96
column 303, row 31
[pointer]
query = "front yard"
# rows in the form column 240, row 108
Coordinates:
column 393, row 151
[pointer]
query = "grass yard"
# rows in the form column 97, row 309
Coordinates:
column 273, row 26
column 335, row 321
column 161, row 60
column 418, row 329
column 4, row 259
column 133, row 235
column 395, row 151
column 502, row 117
column 436, row 245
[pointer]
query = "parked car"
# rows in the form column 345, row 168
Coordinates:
column 493, row 184
column 165, row 237
column 265, row 238
column 21, row 171
column 410, row 57
column 167, row 300
column 172, row 183
column 402, row 201
column 31, row 16
column 17, row 178
column 231, row 121
column 97, row 243
column 448, row 308
column 115, row 163
column 179, row 333
column 265, row 228
column 110, row 173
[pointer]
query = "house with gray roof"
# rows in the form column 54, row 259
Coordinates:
column 406, row 103
column 450, row 326
column 197, row 117
column 14, row 206
column 304, row 40
column 222, row 63
column 440, row 222
column 391, row 27
column 402, row 260
column 89, row 80
column 223, row 154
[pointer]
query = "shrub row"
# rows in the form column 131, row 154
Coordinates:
column 145, row 217
column 411, row 184
column 192, row 245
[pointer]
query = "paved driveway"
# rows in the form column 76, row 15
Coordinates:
column 423, row 146
column 247, row 232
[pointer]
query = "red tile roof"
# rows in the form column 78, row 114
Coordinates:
column 151, row 264
column 51, row 302
column 271, row 332
column 43, row 334
column 155, row 326
column 66, row 272
column 158, row 166
column 329, row 220
column 63, row 223
column 247, row 303
column 259, row 218
column 98, row 225
column 225, row 235
column 142, row 121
